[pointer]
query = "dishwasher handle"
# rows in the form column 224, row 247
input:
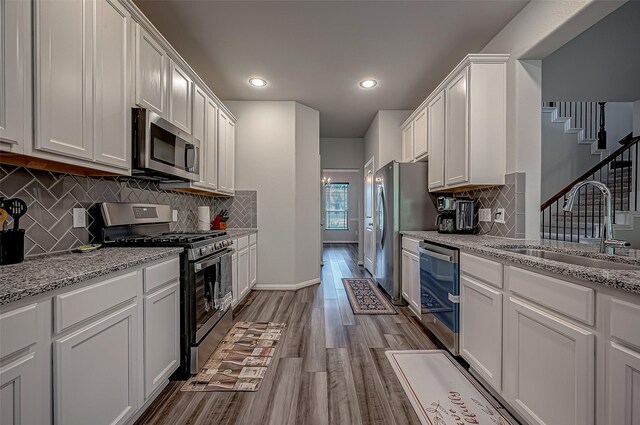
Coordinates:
column 436, row 255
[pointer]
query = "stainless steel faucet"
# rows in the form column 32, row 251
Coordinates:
column 607, row 242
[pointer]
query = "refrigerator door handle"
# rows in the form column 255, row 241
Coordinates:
column 384, row 217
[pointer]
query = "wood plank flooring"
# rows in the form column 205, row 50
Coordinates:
column 331, row 368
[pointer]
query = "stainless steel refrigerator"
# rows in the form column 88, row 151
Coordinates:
column 402, row 203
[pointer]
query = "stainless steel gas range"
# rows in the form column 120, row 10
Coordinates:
column 205, row 273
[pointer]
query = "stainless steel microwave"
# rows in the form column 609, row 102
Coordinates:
column 162, row 150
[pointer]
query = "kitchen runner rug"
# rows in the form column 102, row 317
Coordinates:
column 365, row 297
column 440, row 392
column 240, row 361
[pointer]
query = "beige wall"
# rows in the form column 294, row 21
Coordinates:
column 538, row 30
column 277, row 153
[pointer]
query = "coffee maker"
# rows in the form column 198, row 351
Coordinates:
column 455, row 215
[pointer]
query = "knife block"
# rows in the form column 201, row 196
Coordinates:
column 11, row 246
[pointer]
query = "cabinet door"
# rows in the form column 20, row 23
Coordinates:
column 223, row 124
column 151, row 73
column 436, row 139
column 457, row 120
column 420, row 145
column 234, row 276
column 64, row 77
column 481, row 329
column 243, row 273
column 200, row 101
column 624, row 386
column 231, row 154
column 549, row 367
column 406, row 276
column 407, row 143
column 112, row 115
column 414, row 292
column 253, row 265
column 161, row 336
column 15, row 75
column 19, row 387
column 211, row 162
column 95, row 371
column 180, row 88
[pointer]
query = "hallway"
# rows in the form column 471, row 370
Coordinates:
column 331, row 368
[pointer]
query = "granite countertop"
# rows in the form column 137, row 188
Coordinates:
column 238, row 232
column 626, row 280
column 48, row 272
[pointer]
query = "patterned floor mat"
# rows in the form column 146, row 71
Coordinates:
column 240, row 361
column 365, row 297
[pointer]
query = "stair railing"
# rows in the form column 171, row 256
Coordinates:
column 619, row 171
column 584, row 115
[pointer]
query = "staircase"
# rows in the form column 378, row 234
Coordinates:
column 579, row 118
column 619, row 171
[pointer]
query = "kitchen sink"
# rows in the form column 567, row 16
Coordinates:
column 572, row 259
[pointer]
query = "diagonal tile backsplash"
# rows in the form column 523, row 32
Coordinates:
column 243, row 211
column 510, row 197
column 51, row 198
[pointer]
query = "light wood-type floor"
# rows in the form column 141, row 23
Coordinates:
column 331, row 367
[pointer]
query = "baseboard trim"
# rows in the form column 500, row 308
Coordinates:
column 345, row 242
column 287, row 287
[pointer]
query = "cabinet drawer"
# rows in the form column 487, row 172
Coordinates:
column 253, row 238
column 572, row 300
column 158, row 275
column 481, row 268
column 410, row 245
column 75, row 306
column 18, row 329
column 624, row 322
column 242, row 243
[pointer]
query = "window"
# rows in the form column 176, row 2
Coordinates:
column 337, row 206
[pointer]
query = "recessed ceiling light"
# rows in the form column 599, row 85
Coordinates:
column 368, row 84
column 257, row 82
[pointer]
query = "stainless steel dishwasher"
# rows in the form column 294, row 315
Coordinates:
column 440, row 293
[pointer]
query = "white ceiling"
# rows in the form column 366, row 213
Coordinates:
column 316, row 52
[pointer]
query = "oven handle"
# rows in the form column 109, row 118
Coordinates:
column 447, row 258
column 211, row 261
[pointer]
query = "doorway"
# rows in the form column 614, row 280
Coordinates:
column 341, row 206
column 369, row 227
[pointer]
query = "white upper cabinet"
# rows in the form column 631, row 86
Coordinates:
column 436, row 137
column 151, row 72
column 180, row 91
column 15, row 75
column 211, row 150
column 63, row 80
column 465, row 125
column 420, row 130
column 83, row 83
column 456, row 151
column 200, row 101
column 112, row 114
column 407, row 143
column 226, row 148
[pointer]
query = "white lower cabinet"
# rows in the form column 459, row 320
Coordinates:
column 19, row 381
column 95, row 371
column 253, row 265
column 411, row 280
column 481, row 329
column 624, row 385
column 243, row 273
column 161, row 336
column 549, row 367
column 110, row 344
column 234, row 277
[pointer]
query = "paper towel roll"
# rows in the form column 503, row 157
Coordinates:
column 204, row 218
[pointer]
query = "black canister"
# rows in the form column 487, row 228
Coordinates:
column 11, row 246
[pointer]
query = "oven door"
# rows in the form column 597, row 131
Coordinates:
column 211, row 295
column 162, row 148
column 440, row 293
